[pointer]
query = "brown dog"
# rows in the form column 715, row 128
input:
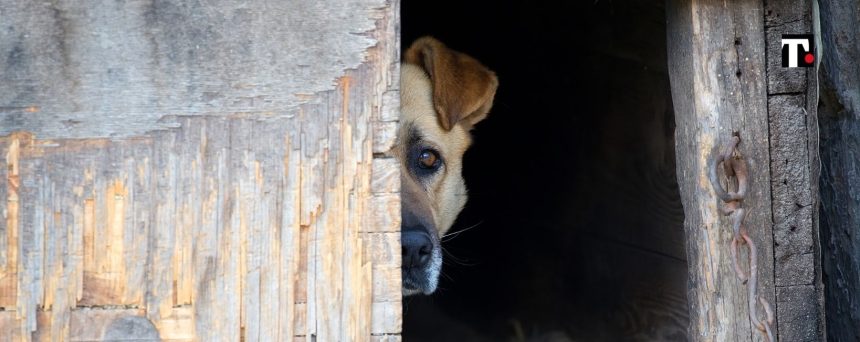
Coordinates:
column 443, row 94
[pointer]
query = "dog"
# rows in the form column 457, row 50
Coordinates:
column 443, row 94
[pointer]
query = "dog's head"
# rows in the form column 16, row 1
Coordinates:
column 444, row 93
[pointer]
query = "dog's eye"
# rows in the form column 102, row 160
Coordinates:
column 428, row 159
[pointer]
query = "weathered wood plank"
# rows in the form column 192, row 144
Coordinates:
column 785, row 17
column 386, row 265
column 9, row 325
column 165, row 258
column 9, row 236
column 205, row 184
column 236, row 58
column 793, row 234
column 792, row 109
column 178, row 325
column 112, row 324
column 293, row 246
column 718, row 82
column 386, row 338
column 386, row 318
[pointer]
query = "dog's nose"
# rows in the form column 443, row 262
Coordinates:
column 417, row 248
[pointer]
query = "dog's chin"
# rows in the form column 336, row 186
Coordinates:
column 423, row 280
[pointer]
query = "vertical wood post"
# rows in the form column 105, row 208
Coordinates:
column 717, row 71
column 727, row 78
column 792, row 101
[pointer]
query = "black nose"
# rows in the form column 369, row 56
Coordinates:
column 416, row 248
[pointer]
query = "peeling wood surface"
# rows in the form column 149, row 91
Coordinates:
column 116, row 68
column 717, row 59
column 793, row 125
column 197, row 171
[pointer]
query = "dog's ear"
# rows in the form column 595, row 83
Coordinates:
column 463, row 89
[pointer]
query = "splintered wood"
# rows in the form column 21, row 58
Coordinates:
column 273, row 223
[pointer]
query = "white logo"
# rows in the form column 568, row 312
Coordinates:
column 792, row 49
column 797, row 51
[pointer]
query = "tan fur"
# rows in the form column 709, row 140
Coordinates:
column 443, row 94
column 463, row 89
column 448, row 194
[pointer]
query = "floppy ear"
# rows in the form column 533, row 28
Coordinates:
column 463, row 89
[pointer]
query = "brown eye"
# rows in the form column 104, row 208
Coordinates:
column 428, row 159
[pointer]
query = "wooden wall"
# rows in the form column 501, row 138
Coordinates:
column 792, row 101
column 727, row 78
column 199, row 170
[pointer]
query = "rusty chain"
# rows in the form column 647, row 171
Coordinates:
column 735, row 167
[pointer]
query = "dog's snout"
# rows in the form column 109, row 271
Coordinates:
column 417, row 248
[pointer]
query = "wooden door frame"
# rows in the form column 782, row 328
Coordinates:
column 727, row 79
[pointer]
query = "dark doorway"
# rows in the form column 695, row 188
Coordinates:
column 578, row 224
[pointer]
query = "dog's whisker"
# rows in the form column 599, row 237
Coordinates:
column 454, row 259
column 406, row 302
column 452, row 235
column 443, row 274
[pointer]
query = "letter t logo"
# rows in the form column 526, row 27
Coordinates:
column 797, row 51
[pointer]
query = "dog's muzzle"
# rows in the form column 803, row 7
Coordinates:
column 421, row 261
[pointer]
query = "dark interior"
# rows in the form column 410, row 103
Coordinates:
column 574, row 223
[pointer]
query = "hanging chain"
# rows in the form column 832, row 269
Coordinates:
column 735, row 167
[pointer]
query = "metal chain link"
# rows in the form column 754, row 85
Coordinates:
column 735, row 167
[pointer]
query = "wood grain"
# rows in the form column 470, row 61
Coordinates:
column 199, row 171
column 719, row 88
column 793, row 126
column 84, row 69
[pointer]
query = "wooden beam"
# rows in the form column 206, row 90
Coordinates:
column 793, row 127
column 717, row 72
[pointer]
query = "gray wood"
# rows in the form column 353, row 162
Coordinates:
column 114, row 69
column 792, row 109
column 717, row 70
column 201, row 169
column 839, row 118
column 785, row 17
